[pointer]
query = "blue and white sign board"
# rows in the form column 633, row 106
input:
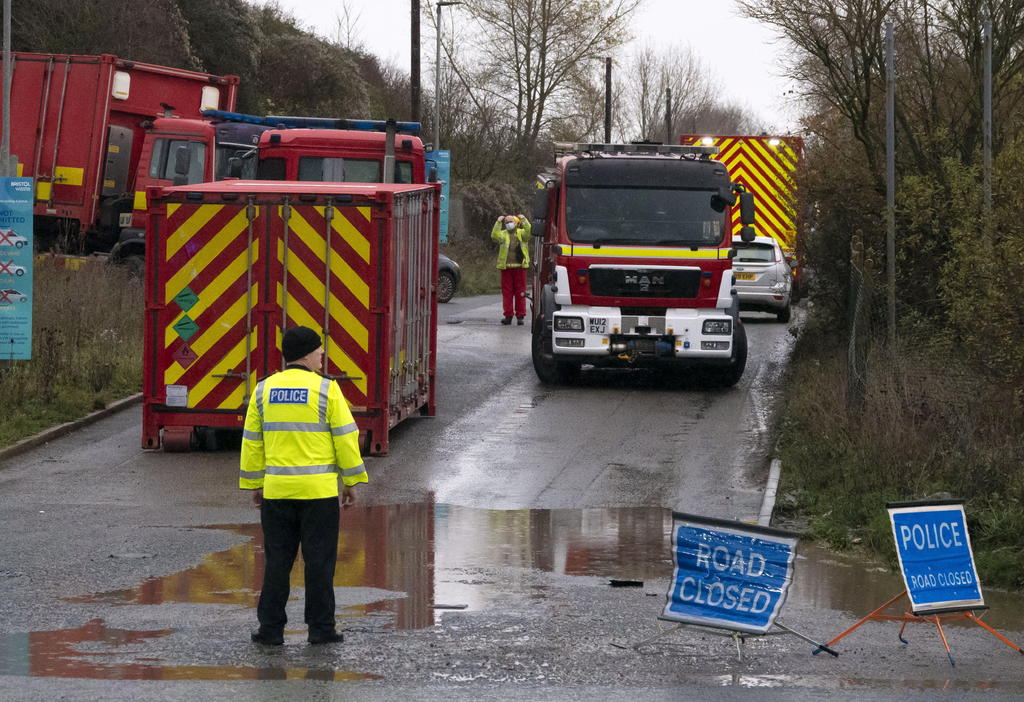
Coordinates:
column 728, row 575
column 16, row 200
column 442, row 161
column 935, row 556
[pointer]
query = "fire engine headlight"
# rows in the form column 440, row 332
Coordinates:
column 717, row 326
column 569, row 324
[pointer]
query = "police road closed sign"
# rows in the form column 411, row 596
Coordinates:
column 728, row 575
column 935, row 555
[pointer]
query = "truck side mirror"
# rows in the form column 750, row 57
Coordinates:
column 182, row 164
column 747, row 233
column 746, row 208
column 539, row 210
column 234, row 167
column 722, row 199
column 432, row 175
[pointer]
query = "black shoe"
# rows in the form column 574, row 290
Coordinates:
column 266, row 638
column 326, row 637
column 506, row 320
column 519, row 321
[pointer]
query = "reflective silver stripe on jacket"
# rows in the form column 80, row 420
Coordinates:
column 259, row 397
column 342, row 430
column 296, row 426
column 325, row 386
column 252, row 474
column 252, row 435
column 356, row 470
column 300, row 470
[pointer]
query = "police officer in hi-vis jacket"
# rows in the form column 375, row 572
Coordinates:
column 299, row 438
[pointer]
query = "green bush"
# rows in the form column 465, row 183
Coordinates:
column 86, row 348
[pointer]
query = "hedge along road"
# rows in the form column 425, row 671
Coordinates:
column 518, row 501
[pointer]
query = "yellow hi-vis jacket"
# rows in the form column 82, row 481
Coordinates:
column 520, row 236
column 299, row 436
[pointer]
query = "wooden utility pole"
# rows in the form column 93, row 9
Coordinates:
column 414, row 68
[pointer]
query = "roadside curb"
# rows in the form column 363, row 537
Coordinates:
column 770, row 491
column 60, row 430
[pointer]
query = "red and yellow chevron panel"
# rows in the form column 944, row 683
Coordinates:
column 335, row 281
column 766, row 166
column 231, row 265
column 207, row 289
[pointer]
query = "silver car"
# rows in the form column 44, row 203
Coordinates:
column 763, row 278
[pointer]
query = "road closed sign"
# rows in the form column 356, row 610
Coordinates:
column 728, row 575
column 935, row 555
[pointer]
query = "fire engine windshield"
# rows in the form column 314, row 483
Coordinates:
column 642, row 215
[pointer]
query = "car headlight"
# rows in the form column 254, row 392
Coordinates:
column 569, row 324
column 717, row 326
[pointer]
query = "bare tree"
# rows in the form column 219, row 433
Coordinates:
column 534, row 56
column 346, row 27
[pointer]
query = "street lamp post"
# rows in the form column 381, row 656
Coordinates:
column 437, row 75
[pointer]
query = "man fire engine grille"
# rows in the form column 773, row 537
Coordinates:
column 611, row 282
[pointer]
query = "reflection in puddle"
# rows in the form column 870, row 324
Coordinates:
column 434, row 554
column 403, row 564
column 90, row 652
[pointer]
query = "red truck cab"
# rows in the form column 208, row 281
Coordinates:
column 338, row 155
column 634, row 261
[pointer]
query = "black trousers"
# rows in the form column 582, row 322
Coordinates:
column 314, row 525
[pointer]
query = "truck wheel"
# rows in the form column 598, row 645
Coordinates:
column 549, row 370
column 135, row 265
column 784, row 315
column 445, row 286
column 729, row 376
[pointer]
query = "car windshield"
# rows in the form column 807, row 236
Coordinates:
column 758, row 253
column 604, row 214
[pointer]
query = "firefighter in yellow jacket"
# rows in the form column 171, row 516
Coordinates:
column 299, row 437
column 512, row 235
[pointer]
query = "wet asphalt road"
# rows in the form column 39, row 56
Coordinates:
column 132, row 575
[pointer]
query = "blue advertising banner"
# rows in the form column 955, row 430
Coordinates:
column 16, row 202
column 442, row 160
column 935, row 555
column 729, row 575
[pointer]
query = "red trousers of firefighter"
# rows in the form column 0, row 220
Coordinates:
column 513, row 292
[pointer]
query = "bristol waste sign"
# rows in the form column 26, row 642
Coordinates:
column 729, row 575
column 16, row 199
column 935, row 556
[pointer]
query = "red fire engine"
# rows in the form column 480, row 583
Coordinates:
column 634, row 261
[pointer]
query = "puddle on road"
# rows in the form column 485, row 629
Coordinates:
column 439, row 556
column 95, row 651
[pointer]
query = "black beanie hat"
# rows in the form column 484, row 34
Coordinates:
column 299, row 341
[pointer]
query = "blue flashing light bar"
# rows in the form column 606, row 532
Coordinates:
column 286, row 122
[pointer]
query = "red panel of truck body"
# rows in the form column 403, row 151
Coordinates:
column 230, row 265
column 62, row 107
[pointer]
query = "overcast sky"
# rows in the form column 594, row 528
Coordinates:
column 744, row 55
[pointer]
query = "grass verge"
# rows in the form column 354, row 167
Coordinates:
column 86, row 349
column 930, row 426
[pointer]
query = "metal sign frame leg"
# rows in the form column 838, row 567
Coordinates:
column 738, row 637
column 910, row 618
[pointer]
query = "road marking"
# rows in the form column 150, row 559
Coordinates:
column 770, row 490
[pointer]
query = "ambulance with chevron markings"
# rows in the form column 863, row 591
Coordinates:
column 768, row 167
column 634, row 261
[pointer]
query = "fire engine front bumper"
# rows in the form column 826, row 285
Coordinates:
column 604, row 332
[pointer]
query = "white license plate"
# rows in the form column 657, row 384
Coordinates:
column 598, row 326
